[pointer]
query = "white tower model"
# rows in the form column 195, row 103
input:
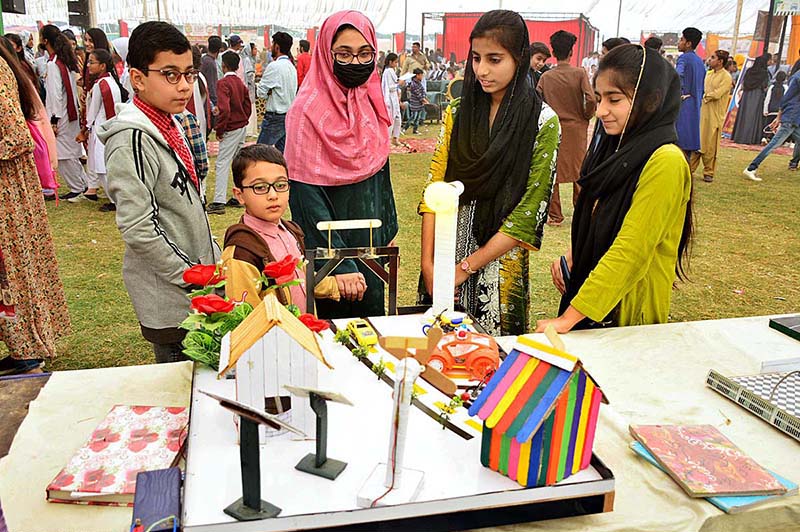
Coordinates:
column 442, row 198
column 406, row 373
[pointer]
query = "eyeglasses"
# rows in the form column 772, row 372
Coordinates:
column 173, row 76
column 364, row 57
column 262, row 189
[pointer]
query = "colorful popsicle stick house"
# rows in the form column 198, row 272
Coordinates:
column 539, row 413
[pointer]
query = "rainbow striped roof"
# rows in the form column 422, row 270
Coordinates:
column 540, row 411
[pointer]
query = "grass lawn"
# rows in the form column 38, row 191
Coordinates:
column 745, row 259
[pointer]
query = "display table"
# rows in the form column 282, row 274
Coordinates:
column 454, row 482
column 651, row 374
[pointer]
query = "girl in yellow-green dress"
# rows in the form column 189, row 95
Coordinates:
column 501, row 142
column 633, row 219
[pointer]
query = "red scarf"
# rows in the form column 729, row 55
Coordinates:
column 169, row 129
column 72, row 111
column 108, row 96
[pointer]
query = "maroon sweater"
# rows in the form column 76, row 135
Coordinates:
column 233, row 101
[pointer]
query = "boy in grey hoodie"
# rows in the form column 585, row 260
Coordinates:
column 152, row 180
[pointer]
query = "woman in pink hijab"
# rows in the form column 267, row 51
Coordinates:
column 337, row 150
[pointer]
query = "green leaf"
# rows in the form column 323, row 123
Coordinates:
column 201, row 292
column 294, row 309
column 193, row 321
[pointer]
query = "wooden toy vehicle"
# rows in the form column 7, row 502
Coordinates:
column 363, row 332
column 462, row 350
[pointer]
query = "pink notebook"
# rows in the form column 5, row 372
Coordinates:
column 704, row 462
column 130, row 439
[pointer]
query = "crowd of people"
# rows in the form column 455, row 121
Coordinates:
column 141, row 109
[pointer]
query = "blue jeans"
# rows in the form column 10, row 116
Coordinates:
column 784, row 132
column 415, row 119
column 273, row 130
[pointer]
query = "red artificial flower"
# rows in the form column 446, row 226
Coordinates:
column 210, row 304
column 313, row 323
column 283, row 270
column 202, row 275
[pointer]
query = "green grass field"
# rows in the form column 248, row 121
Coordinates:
column 745, row 258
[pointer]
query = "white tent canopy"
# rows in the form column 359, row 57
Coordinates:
column 388, row 15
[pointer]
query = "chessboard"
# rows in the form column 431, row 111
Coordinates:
column 784, row 393
column 752, row 392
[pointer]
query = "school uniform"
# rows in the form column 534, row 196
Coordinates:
column 100, row 103
column 61, row 104
column 233, row 101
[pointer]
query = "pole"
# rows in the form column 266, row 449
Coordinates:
column 405, row 24
column 736, row 26
column 619, row 16
column 1, row 24
column 158, row 9
column 780, row 44
column 768, row 29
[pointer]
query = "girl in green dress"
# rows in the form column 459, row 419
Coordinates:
column 501, row 142
column 633, row 219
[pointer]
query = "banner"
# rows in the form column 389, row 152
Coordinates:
column 399, row 42
column 787, row 7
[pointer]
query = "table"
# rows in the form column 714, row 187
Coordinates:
column 651, row 374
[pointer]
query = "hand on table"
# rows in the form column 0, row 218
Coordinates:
column 351, row 286
column 559, row 324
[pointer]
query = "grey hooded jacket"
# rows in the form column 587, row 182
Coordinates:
column 160, row 213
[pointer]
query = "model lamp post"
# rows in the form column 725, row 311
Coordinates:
column 442, row 198
column 319, row 464
column 250, row 507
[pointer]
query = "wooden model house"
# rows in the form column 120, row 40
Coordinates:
column 270, row 349
column 539, row 413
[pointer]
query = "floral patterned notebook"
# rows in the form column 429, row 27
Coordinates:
column 129, row 440
column 704, row 462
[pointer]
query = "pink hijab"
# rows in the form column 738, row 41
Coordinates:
column 335, row 135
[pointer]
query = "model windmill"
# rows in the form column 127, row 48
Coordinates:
column 391, row 483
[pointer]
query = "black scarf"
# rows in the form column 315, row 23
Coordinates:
column 494, row 165
column 757, row 76
column 609, row 174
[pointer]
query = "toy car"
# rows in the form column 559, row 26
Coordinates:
column 449, row 322
column 362, row 332
column 475, row 353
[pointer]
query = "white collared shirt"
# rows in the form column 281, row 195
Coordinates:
column 278, row 85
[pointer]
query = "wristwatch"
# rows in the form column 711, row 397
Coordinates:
column 465, row 267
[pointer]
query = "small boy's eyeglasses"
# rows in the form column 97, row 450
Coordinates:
column 174, row 76
column 262, row 189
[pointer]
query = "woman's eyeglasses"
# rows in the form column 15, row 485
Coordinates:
column 262, row 189
column 174, row 76
column 364, row 57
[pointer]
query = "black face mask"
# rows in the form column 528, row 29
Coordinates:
column 354, row 74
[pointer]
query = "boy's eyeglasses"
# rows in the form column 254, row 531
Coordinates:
column 262, row 189
column 173, row 76
column 364, row 57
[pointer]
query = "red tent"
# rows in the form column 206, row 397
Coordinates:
column 457, row 27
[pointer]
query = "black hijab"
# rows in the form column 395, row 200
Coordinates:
column 757, row 76
column 611, row 169
column 494, row 165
